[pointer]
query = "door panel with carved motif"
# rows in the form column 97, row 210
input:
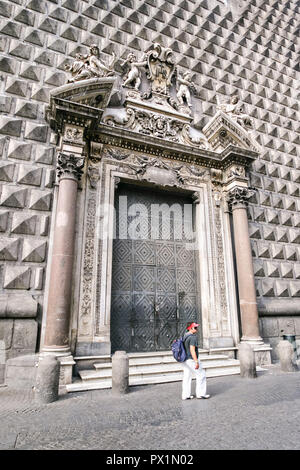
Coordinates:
column 154, row 286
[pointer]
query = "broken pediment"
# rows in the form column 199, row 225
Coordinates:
column 82, row 102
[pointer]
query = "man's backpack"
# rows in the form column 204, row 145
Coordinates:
column 178, row 350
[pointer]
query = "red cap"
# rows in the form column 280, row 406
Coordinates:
column 192, row 325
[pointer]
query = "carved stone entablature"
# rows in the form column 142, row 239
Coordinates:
column 223, row 131
column 156, row 170
column 154, row 122
column 239, row 197
column 69, row 166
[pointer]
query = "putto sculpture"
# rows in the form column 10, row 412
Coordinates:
column 161, row 106
column 90, row 66
column 184, row 83
column 133, row 77
column 234, row 109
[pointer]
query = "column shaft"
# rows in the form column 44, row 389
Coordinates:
column 246, row 284
column 58, row 311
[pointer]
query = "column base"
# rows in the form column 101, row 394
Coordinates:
column 253, row 341
column 66, row 360
column 57, row 351
column 262, row 351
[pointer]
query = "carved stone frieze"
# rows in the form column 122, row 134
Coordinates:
column 74, row 135
column 69, row 166
column 155, row 124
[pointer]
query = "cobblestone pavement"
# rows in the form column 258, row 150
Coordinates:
column 262, row 413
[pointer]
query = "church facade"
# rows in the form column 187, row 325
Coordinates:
column 149, row 176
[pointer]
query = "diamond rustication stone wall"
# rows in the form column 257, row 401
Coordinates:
column 244, row 47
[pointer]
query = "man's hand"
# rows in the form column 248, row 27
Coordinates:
column 197, row 365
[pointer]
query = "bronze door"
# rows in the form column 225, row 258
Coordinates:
column 154, row 288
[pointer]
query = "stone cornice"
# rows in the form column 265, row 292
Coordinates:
column 125, row 138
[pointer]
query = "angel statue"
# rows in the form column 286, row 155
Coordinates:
column 183, row 90
column 90, row 66
column 134, row 74
column 235, row 110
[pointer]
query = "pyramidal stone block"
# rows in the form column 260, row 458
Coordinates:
column 295, row 288
column 254, row 231
column 23, row 223
column 33, row 72
column 9, row 249
column 3, row 220
column 7, row 171
column 44, row 154
column 30, row 175
column 272, row 269
column 17, row 277
column 286, row 270
column 282, row 234
column 19, row 150
column 291, row 253
column 282, row 289
column 263, row 250
column 40, row 200
column 10, row 126
column 36, row 132
column 268, row 233
column 294, row 235
column 26, row 109
column 34, row 250
column 17, row 87
column 268, row 288
column 12, row 196
column 258, row 268
column 277, row 251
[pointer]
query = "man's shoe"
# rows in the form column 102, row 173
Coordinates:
column 189, row 398
column 204, row 396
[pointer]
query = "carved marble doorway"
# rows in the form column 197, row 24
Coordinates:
column 154, row 279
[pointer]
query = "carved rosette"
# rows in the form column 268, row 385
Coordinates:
column 238, row 197
column 69, row 166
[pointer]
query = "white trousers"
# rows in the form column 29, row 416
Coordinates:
column 189, row 372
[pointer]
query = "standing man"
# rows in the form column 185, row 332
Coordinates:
column 192, row 366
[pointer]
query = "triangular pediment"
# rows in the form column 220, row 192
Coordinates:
column 223, row 131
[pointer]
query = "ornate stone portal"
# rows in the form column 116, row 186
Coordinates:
column 149, row 142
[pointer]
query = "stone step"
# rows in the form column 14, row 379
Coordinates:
column 155, row 369
column 99, row 384
column 149, row 360
column 151, row 368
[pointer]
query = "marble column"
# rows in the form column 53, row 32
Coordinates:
column 246, row 286
column 60, row 286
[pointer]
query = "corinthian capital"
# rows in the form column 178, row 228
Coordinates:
column 238, row 197
column 69, row 166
